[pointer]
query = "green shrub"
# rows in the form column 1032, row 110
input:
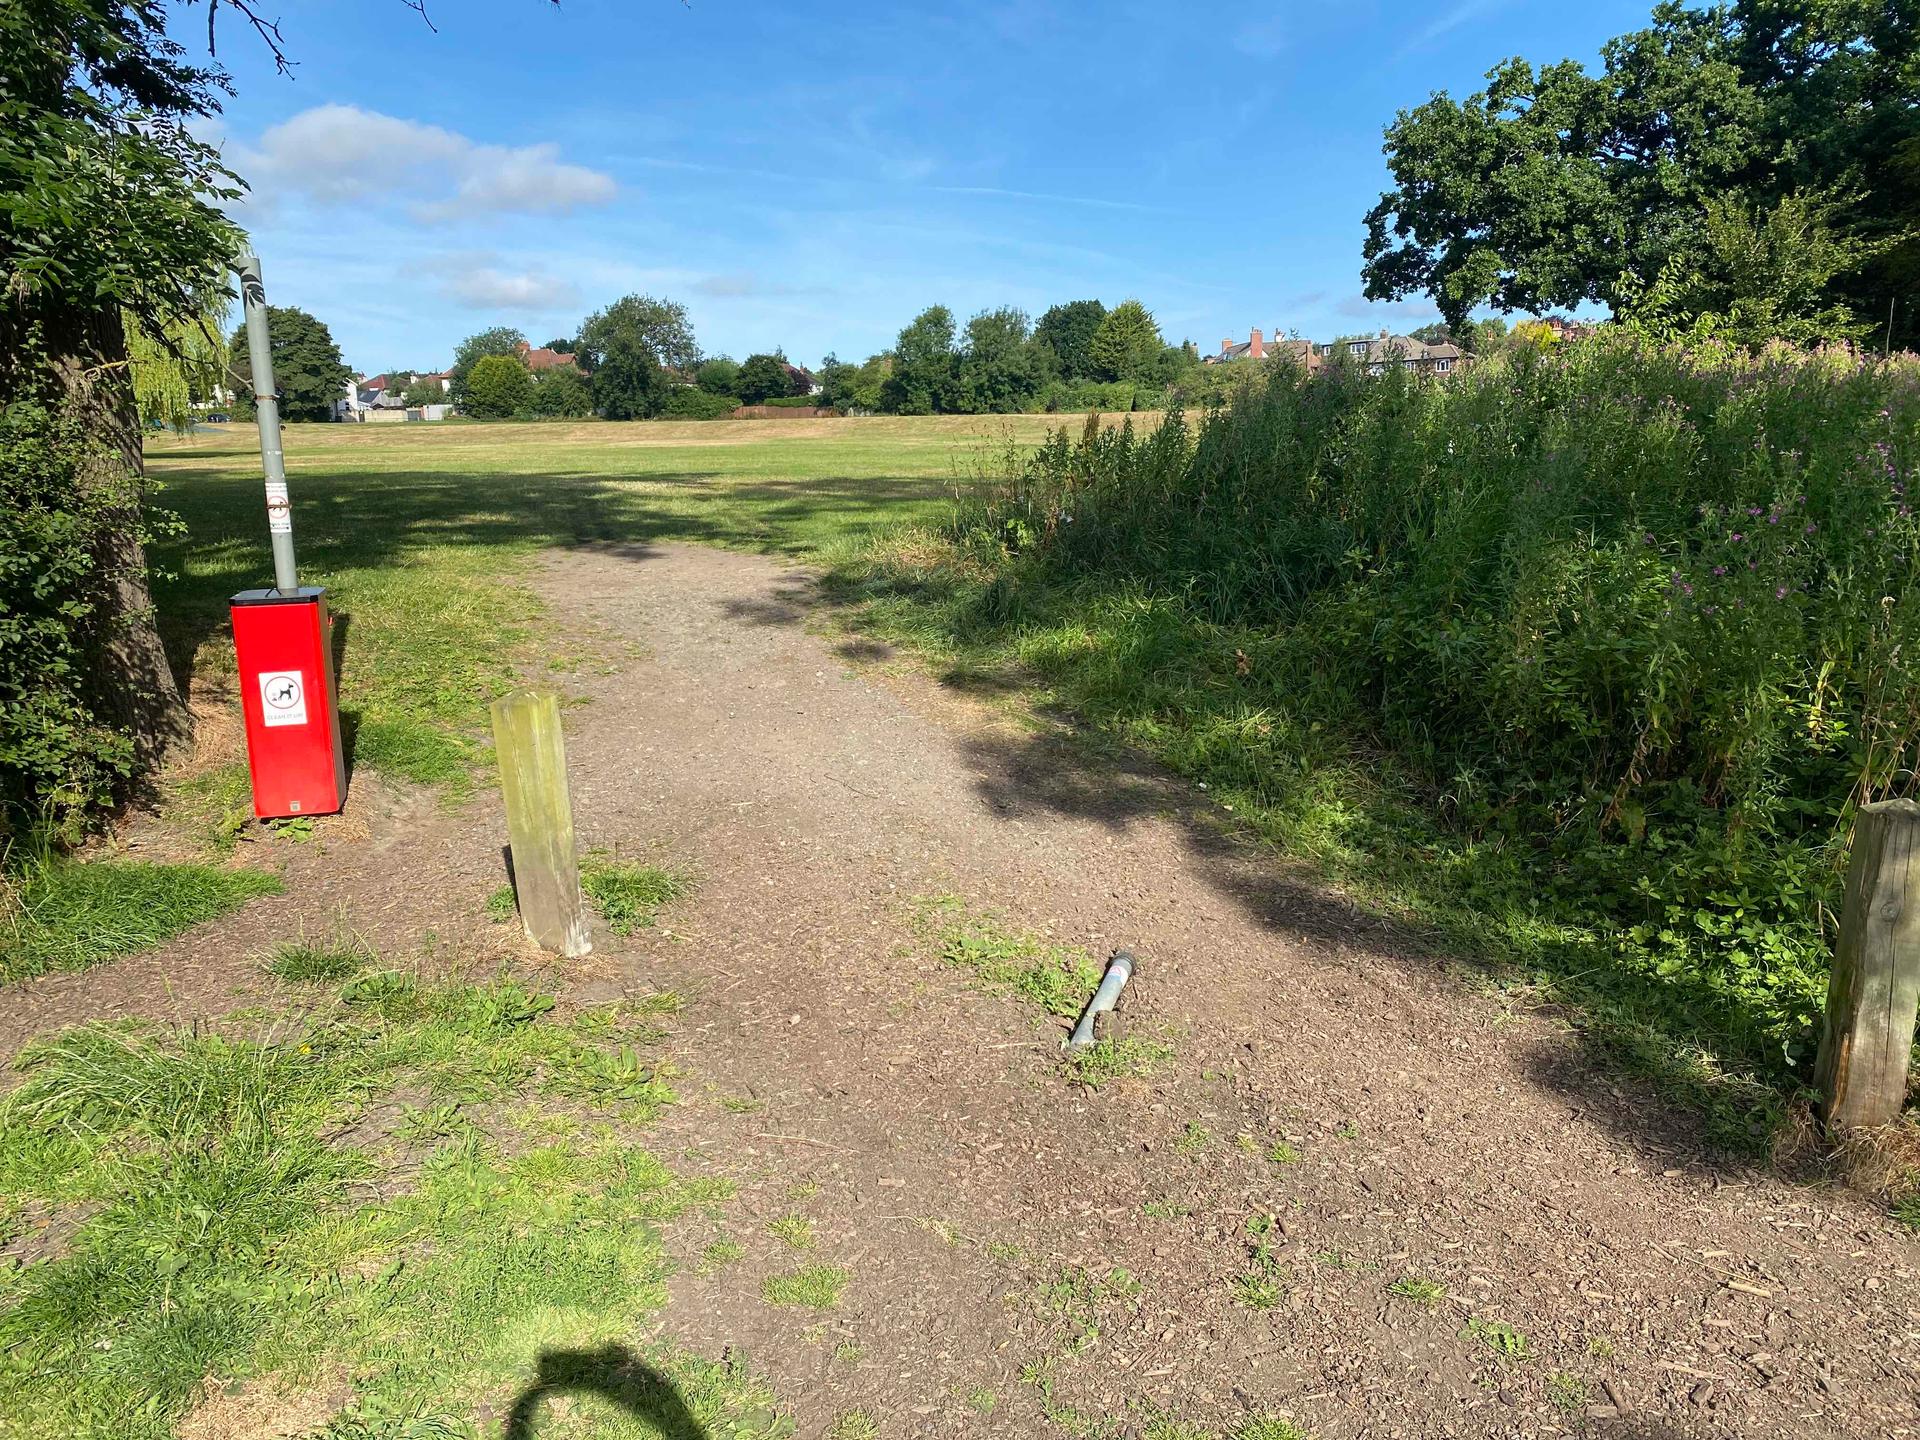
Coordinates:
column 792, row 402
column 686, row 403
column 1105, row 396
column 499, row 386
column 62, row 755
column 560, row 393
column 1587, row 655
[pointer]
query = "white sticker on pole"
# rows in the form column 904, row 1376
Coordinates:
column 279, row 508
column 283, row 698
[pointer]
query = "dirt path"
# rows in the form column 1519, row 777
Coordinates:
column 835, row 1069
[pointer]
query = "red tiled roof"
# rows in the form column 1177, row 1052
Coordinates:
column 542, row 358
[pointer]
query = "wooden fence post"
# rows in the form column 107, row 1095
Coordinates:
column 533, row 781
column 1875, row 989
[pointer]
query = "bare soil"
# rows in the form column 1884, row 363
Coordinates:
column 816, row 786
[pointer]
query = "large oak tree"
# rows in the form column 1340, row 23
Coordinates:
column 1549, row 185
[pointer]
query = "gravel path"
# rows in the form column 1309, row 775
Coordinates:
column 816, row 788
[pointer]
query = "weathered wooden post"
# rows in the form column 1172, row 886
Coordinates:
column 1875, row 989
column 533, row 781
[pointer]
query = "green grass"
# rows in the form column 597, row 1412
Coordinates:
column 1105, row 1061
column 71, row 913
column 720, row 1254
column 1258, row 1289
column 1283, row 1152
column 793, row 1231
column 813, row 1287
column 854, row 1425
column 423, row 536
column 628, row 895
column 1269, row 1427
column 1165, row 1210
column 217, row 1183
column 502, row 906
column 310, row 962
column 1059, row 979
column 1418, row 1289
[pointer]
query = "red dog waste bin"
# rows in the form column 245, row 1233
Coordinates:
column 285, row 646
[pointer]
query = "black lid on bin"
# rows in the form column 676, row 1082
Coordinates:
column 305, row 595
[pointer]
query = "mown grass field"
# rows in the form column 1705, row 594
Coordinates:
column 419, row 530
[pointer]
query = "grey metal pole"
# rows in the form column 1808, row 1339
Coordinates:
column 266, row 407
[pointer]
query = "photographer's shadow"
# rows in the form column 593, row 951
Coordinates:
column 614, row 1373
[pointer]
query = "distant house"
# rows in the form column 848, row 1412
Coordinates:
column 538, row 358
column 802, row 381
column 383, row 397
column 1382, row 352
column 1565, row 327
column 1377, row 353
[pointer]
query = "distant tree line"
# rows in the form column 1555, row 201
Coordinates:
column 1078, row 355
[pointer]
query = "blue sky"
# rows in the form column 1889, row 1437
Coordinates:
column 811, row 177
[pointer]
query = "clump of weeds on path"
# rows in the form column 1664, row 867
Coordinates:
column 627, row 895
column 811, row 1287
column 1059, row 979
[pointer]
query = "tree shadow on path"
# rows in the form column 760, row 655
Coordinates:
column 614, row 1373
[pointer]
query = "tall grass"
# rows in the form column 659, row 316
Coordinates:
column 1588, row 655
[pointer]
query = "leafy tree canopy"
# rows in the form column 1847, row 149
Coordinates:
column 999, row 369
column 561, row 346
column 763, row 378
column 718, row 376
column 307, row 369
column 1546, row 187
column 499, row 386
column 500, row 340
column 1127, row 343
column 855, row 387
column 561, row 392
column 1067, row 332
column 639, row 322
column 924, row 366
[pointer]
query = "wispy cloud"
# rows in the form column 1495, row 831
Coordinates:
column 1386, row 312
column 482, row 286
column 1445, row 24
column 341, row 155
column 996, row 192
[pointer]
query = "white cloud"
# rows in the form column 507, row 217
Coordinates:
column 340, row 154
column 1262, row 39
column 486, row 287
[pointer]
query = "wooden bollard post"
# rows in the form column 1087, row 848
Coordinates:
column 1875, row 989
column 533, row 781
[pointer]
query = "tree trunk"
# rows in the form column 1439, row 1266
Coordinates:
column 134, row 686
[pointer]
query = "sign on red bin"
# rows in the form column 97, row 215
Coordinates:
column 285, row 646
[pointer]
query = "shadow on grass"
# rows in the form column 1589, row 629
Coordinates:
column 614, row 1373
column 347, row 521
